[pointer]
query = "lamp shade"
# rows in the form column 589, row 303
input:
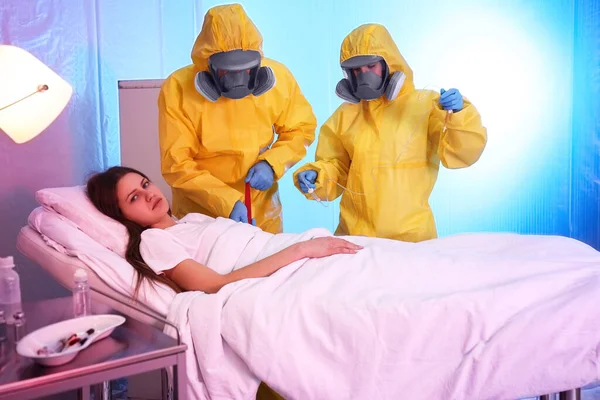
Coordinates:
column 31, row 94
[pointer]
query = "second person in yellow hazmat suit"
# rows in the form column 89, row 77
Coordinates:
column 386, row 142
column 217, row 122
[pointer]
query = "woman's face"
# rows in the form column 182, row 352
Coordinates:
column 141, row 201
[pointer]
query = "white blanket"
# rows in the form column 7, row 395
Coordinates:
column 474, row 316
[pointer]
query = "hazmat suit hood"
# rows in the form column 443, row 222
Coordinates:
column 375, row 40
column 225, row 28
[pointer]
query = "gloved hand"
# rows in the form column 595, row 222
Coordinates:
column 239, row 212
column 260, row 176
column 307, row 179
column 451, row 100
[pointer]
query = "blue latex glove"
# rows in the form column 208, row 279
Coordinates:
column 261, row 176
column 240, row 213
column 307, row 179
column 451, row 100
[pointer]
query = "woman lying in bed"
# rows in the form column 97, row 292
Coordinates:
column 128, row 196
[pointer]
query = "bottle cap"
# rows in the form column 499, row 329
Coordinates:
column 80, row 275
column 7, row 262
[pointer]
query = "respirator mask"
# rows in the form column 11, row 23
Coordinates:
column 367, row 85
column 234, row 74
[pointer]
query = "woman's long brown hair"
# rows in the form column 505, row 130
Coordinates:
column 102, row 191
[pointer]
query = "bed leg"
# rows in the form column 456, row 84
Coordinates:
column 166, row 384
column 102, row 391
column 83, row 393
column 574, row 394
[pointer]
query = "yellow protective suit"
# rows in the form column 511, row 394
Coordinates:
column 359, row 138
column 207, row 148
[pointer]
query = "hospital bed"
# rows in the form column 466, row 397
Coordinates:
column 62, row 266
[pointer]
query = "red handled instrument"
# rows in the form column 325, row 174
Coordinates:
column 248, row 202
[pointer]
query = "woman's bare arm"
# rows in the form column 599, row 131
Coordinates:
column 191, row 275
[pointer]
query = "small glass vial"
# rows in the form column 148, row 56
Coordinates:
column 82, row 302
column 19, row 318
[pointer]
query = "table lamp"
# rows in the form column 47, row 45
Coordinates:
column 32, row 96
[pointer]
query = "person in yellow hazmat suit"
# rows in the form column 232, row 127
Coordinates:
column 217, row 123
column 384, row 145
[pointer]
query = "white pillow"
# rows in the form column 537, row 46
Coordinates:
column 73, row 204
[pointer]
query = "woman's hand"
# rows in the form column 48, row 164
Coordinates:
column 326, row 246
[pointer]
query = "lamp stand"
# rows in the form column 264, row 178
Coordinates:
column 40, row 88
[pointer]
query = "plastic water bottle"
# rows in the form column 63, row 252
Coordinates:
column 82, row 301
column 10, row 289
